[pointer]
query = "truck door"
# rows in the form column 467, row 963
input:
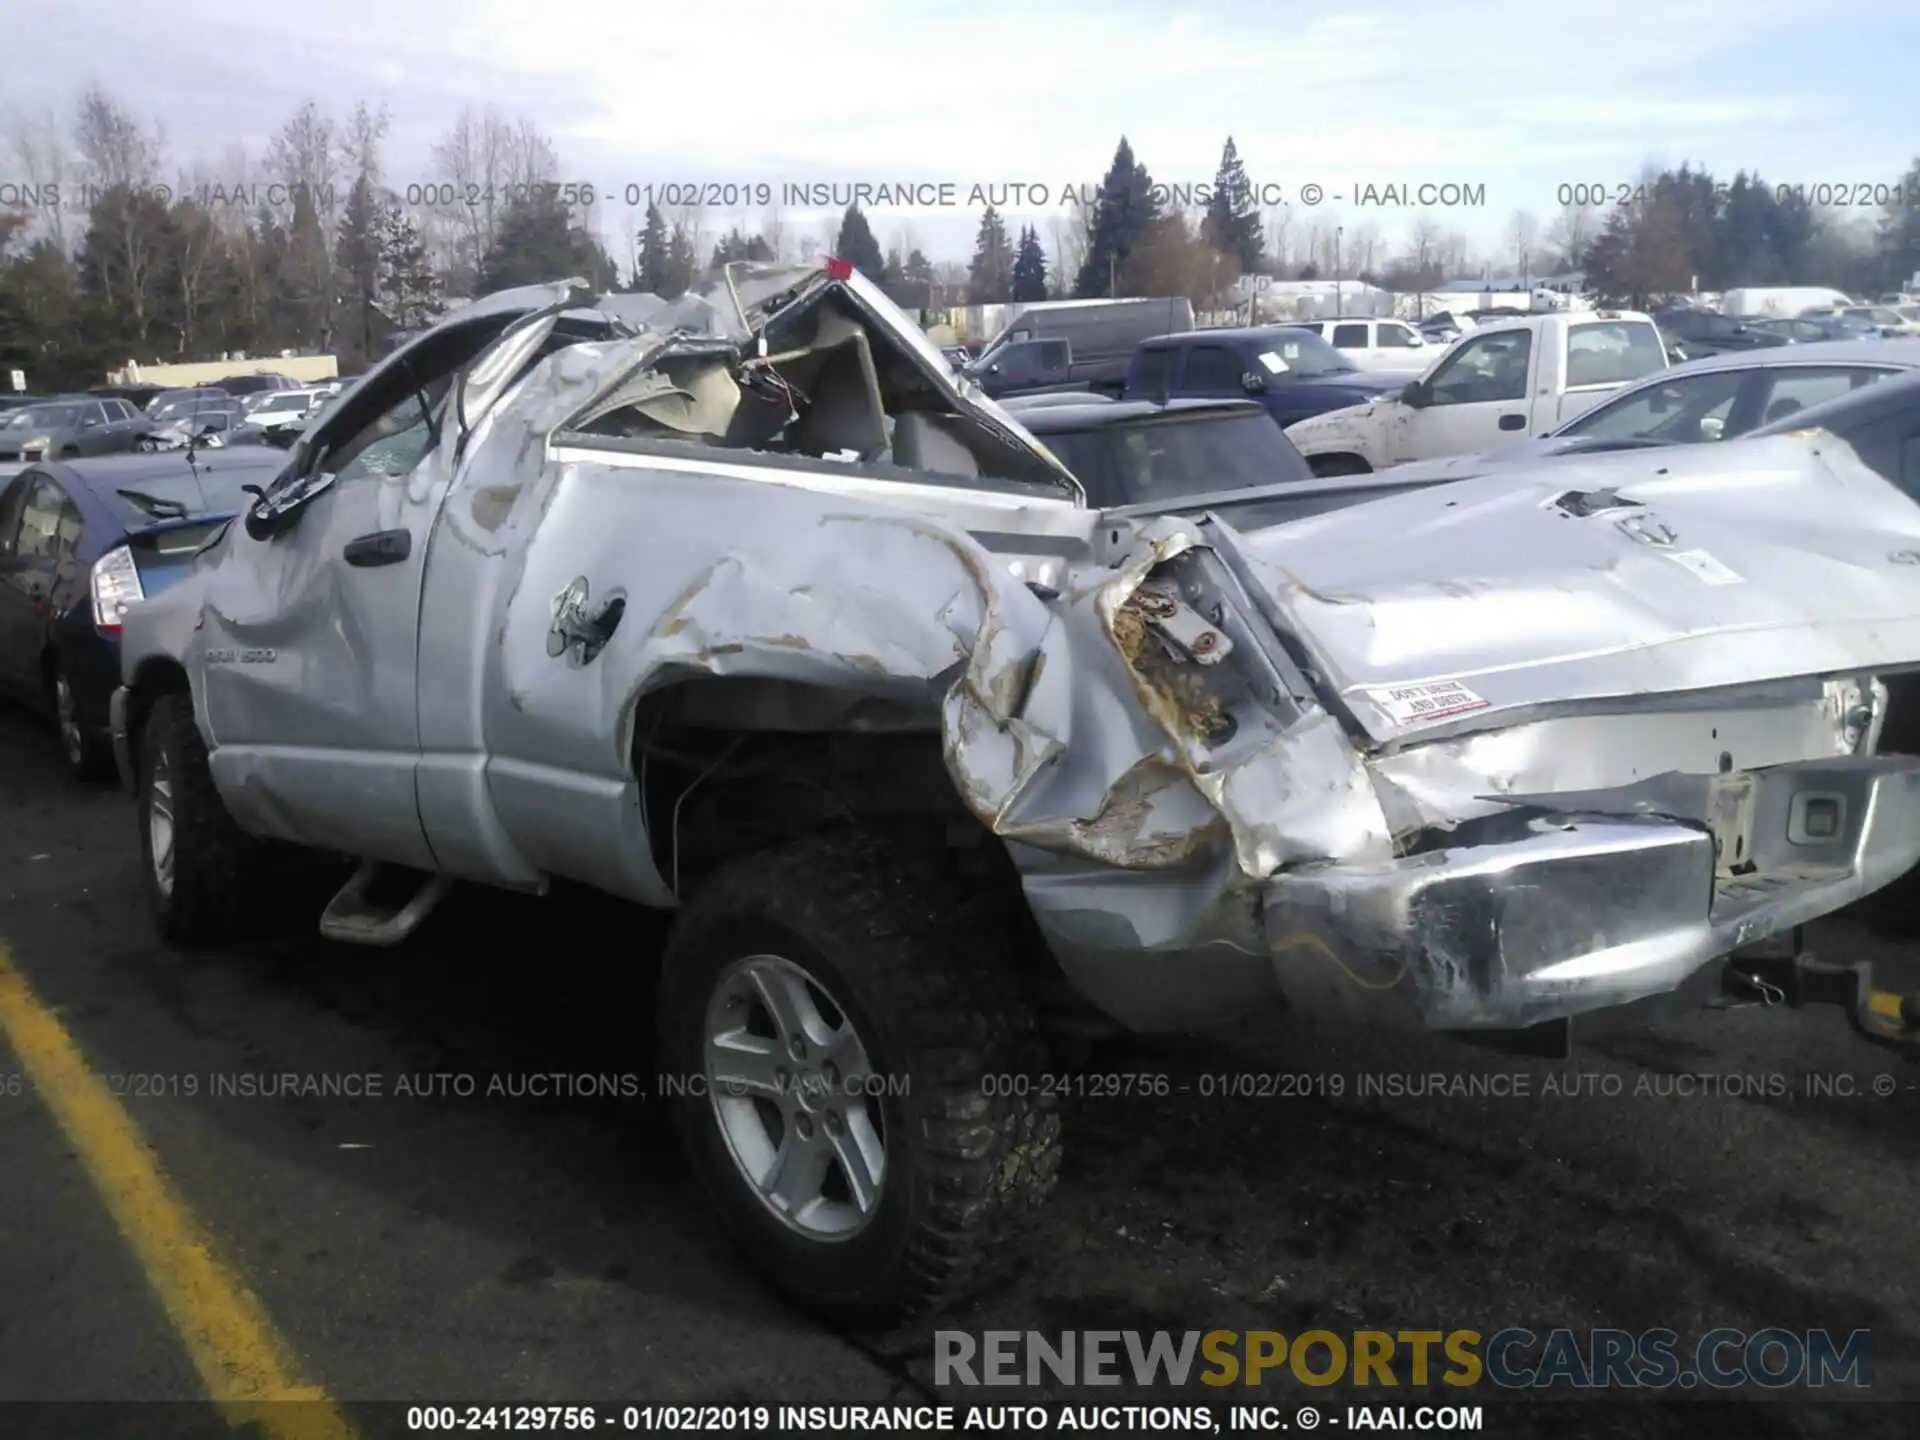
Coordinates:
column 1016, row 368
column 311, row 635
column 1056, row 362
column 1600, row 357
column 1477, row 399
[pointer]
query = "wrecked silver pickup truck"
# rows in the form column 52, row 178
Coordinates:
column 744, row 605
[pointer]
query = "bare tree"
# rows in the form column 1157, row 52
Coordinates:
column 196, row 249
column 126, row 239
column 39, row 148
column 114, row 148
column 482, row 163
column 773, row 229
column 1363, row 248
column 1423, row 241
column 1423, row 244
column 1279, row 240
column 360, row 142
column 304, row 155
column 1523, row 241
column 1573, row 231
column 688, row 227
column 1068, row 230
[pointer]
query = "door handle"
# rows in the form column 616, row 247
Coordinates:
column 1513, row 422
column 382, row 547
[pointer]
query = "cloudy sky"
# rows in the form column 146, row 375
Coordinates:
column 1497, row 95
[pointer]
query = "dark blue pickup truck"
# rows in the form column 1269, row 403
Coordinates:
column 1292, row 372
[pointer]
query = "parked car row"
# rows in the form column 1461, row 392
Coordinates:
column 249, row 409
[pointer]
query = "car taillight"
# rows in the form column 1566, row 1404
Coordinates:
column 838, row 269
column 116, row 588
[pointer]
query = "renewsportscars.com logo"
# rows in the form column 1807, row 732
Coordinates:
column 1513, row 1359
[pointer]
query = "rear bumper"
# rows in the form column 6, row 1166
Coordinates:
column 1585, row 913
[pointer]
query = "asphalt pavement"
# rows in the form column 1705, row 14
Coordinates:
column 461, row 1215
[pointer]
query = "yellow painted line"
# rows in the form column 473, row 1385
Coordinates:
column 244, row 1364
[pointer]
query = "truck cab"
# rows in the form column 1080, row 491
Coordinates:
column 1500, row 382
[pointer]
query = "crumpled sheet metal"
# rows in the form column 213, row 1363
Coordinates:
column 903, row 607
column 1304, row 795
column 1050, row 736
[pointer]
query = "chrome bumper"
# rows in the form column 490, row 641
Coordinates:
column 117, row 726
column 1583, row 913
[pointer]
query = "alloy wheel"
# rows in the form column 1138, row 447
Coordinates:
column 794, row 1095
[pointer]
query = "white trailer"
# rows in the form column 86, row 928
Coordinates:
column 1783, row 302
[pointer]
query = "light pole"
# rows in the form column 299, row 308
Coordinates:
column 1339, row 293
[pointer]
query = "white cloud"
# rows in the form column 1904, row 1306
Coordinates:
column 1498, row 93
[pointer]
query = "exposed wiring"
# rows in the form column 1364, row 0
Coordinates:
column 673, row 825
column 1305, row 940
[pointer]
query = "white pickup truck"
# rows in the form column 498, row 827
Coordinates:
column 1501, row 381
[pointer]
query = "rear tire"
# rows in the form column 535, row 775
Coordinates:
column 1328, row 466
column 88, row 755
column 203, row 873
column 892, row 966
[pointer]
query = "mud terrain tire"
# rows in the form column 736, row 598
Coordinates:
column 923, row 967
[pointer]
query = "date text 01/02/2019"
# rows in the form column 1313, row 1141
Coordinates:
column 1820, row 194
column 1156, row 1085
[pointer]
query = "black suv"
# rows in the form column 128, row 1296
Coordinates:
column 1291, row 372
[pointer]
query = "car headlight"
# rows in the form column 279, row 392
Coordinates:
column 38, row 442
column 116, row 589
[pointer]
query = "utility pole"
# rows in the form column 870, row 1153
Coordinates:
column 1339, row 293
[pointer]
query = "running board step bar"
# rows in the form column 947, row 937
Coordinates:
column 353, row 920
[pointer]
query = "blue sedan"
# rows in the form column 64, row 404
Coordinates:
column 80, row 541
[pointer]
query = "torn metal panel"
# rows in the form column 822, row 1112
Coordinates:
column 1605, row 763
column 1781, row 564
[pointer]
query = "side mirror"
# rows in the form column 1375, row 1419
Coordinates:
column 89, row 422
column 1416, row 396
column 1253, row 382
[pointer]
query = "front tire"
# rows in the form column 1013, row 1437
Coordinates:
column 202, row 871
column 880, row 1146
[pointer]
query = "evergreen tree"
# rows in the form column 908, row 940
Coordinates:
column 1124, row 213
column 990, row 276
column 538, row 241
column 356, row 266
column 652, row 274
column 1232, row 224
column 736, row 245
column 1899, row 240
column 410, row 293
column 682, row 264
column 856, row 243
column 1030, row 268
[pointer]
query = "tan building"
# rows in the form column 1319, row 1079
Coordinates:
column 308, row 368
